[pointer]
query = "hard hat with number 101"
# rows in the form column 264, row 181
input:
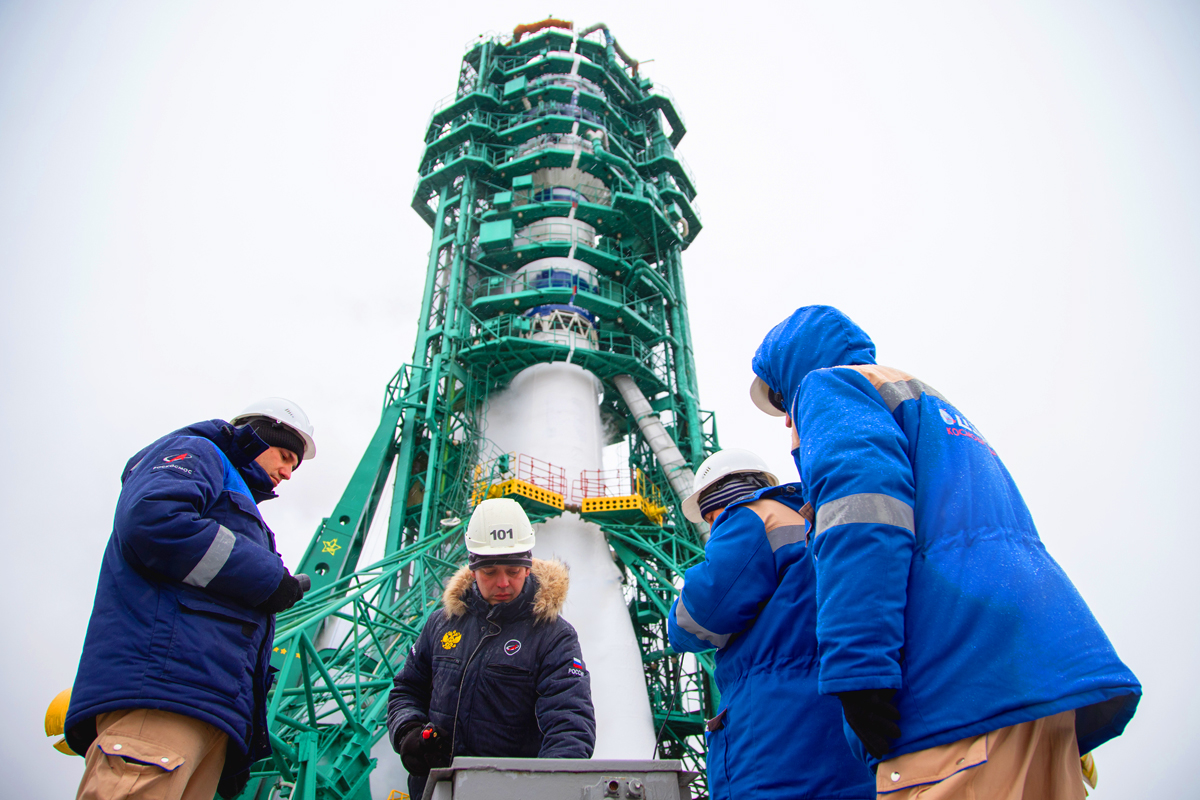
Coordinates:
column 499, row 526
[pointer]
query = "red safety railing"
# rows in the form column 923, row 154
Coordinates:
column 508, row 466
column 602, row 483
column 541, row 473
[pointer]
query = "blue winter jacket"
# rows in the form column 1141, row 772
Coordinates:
column 174, row 625
column 931, row 578
column 754, row 598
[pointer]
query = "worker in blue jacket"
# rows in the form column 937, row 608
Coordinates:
column 170, row 696
column 754, row 599
column 964, row 658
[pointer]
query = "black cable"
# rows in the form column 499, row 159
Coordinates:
column 666, row 719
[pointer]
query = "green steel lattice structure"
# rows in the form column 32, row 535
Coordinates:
column 552, row 147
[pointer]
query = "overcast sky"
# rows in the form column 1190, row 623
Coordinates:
column 205, row 203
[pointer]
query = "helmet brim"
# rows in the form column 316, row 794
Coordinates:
column 496, row 551
column 691, row 508
column 310, row 447
column 760, row 394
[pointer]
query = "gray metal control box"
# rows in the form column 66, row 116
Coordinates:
column 559, row 779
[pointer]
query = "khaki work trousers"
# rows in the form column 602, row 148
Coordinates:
column 1036, row 760
column 147, row 754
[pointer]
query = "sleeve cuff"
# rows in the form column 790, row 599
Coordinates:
column 839, row 685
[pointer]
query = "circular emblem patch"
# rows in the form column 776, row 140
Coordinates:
column 511, row 647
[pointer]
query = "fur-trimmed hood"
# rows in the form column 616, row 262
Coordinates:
column 553, row 580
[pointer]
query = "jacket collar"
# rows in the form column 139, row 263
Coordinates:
column 790, row 494
column 542, row 597
column 520, row 607
column 240, row 445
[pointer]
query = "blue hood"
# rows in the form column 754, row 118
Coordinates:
column 813, row 337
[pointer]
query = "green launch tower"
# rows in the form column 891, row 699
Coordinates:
column 559, row 211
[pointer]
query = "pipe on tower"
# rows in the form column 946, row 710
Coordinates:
column 612, row 41
column 678, row 471
column 534, row 27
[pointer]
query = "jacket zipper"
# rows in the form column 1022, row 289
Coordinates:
column 462, row 680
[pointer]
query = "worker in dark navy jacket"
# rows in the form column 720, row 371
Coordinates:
column 966, row 662
column 754, row 599
column 498, row 671
column 170, row 695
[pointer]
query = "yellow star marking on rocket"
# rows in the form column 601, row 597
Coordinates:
column 331, row 546
column 451, row 640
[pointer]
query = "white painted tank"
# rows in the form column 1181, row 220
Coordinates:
column 589, row 186
column 556, row 229
column 551, row 412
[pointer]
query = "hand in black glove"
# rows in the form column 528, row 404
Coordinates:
column 872, row 717
column 424, row 748
column 286, row 594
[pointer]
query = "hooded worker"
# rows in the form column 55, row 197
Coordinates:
column 497, row 672
column 964, row 658
column 753, row 598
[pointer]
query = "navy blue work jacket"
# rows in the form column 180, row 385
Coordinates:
column 174, row 625
column 505, row 680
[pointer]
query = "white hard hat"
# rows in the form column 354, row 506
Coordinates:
column 285, row 412
column 718, row 466
column 760, row 393
column 498, row 527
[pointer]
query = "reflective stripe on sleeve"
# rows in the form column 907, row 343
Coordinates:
column 785, row 534
column 696, row 629
column 214, row 559
column 869, row 508
column 897, row 392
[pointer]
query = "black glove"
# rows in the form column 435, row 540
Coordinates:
column 424, row 748
column 872, row 717
column 286, row 594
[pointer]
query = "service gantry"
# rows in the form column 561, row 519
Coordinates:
column 559, row 211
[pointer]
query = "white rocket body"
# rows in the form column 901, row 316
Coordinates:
column 551, row 412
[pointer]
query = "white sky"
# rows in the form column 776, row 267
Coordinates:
column 204, row 203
